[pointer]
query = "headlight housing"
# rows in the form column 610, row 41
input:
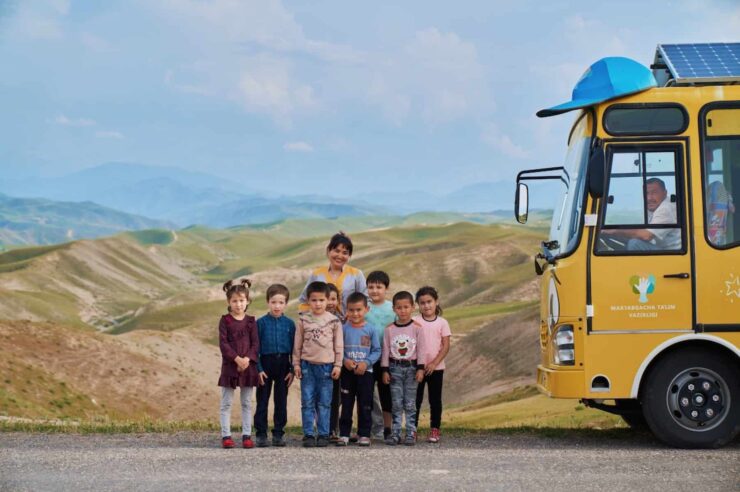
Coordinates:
column 563, row 351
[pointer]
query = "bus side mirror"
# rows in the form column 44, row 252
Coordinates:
column 596, row 173
column 521, row 203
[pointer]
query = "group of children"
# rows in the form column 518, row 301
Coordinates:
column 342, row 346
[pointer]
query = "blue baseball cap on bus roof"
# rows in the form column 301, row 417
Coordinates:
column 606, row 79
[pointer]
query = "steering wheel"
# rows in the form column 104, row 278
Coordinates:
column 610, row 243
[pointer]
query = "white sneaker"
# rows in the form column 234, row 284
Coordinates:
column 343, row 441
column 364, row 441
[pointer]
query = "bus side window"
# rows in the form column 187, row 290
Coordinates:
column 721, row 161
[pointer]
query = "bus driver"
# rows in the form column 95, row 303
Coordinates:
column 660, row 211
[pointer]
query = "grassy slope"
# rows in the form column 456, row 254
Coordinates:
column 169, row 282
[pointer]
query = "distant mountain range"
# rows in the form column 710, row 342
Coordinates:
column 41, row 221
column 183, row 198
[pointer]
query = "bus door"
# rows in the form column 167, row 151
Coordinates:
column 718, row 251
column 640, row 272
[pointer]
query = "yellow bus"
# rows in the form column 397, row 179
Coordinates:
column 640, row 297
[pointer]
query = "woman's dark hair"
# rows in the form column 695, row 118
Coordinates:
column 400, row 296
column 340, row 238
column 379, row 277
column 430, row 291
column 241, row 287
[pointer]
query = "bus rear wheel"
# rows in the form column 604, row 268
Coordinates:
column 691, row 398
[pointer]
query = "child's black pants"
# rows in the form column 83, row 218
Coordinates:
column 359, row 388
column 277, row 367
column 434, row 381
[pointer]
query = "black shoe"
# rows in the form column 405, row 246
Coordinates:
column 262, row 442
column 322, row 441
column 309, row 442
column 278, row 441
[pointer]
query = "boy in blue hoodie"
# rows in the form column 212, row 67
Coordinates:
column 361, row 351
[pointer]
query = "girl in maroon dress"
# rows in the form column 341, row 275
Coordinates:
column 237, row 336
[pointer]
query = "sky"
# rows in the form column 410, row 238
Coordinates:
column 329, row 97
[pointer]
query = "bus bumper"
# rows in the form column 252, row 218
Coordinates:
column 560, row 383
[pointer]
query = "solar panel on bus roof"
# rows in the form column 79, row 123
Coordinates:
column 702, row 62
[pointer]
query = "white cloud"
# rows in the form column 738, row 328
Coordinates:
column 502, row 142
column 109, row 134
column 298, row 147
column 436, row 76
column 267, row 87
column 76, row 122
column 265, row 23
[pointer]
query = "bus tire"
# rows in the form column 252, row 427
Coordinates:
column 691, row 398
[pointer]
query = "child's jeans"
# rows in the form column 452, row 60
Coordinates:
column 403, row 395
column 316, row 388
column 227, row 396
column 434, row 382
column 277, row 367
column 359, row 388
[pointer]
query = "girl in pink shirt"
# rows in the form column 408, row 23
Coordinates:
column 434, row 337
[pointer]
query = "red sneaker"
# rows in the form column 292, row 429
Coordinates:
column 247, row 442
column 434, row 435
column 227, row 442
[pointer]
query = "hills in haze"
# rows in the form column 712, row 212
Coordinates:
column 42, row 221
column 184, row 198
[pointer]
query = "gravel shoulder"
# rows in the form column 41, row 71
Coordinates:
column 485, row 461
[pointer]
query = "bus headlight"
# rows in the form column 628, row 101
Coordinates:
column 563, row 352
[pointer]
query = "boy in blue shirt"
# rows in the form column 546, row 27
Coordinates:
column 361, row 351
column 275, row 365
column 380, row 315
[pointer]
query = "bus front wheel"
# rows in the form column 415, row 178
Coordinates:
column 691, row 398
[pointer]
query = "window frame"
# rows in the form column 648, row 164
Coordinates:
column 637, row 147
column 616, row 133
column 702, row 148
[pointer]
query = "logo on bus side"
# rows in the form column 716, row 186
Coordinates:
column 643, row 284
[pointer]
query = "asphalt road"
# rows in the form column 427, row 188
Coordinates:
column 193, row 461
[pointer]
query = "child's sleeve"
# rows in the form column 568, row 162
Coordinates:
column 298, row 343
column 254, row 341
column 259, row 352
column 375, row 349
column 385, row 353
column 445, row 331
column 292, row 332
column 420, row 353
column 338, row 343
column 223, row 341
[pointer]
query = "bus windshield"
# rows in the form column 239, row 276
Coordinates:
column 566, row 220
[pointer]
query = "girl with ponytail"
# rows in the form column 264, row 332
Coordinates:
column 239, row 343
